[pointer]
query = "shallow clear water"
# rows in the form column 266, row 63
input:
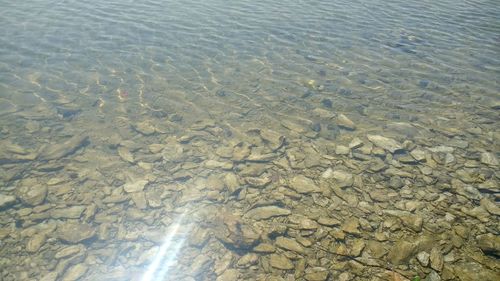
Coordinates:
column 181, row 94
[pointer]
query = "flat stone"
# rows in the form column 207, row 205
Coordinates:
column 328, row 173
column 125, row 154
column 289, row 244
column 351, row 226
column 355, row 143
column 423, row 258
column 248, row 260
column 491, row 207
column 139, row 199
column 75, row 272
column 418, row 154
column 7, row 200
column 51, row 276
column 302, row 222
column 69, row 251
column 32, row 195
column 35, row 243
column 344, row 122
column 73, row 212
column 59, row 150
column 145, row 128
column 489, row 243
column 342, row 178
column 229, row 275
column 266, row 212
column 489, row 158
column 264, row 248
column 302, row 184
column 414, row 222
column 135, row 186
column 401, row 252
column 442, row 149
column 328, row 221
column 474, row 271
column 280, row 262
column 75, row 232
column 436, row 259
column 356, row 248
column 316, row 274
column 388, row 144
column 342, row 150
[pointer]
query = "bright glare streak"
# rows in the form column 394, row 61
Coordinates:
column 166, row 255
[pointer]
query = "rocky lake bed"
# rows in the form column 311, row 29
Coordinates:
column 278, row 202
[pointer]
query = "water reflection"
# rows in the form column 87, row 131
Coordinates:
column 166, row 257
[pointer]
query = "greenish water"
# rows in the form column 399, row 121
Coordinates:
column 249, row 140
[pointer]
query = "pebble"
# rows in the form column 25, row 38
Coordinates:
column 327, row 103
column 388, row 144
column 351, row 226
column 146, row 128
column 342, row 150
column 68, row 251
column 229, row 275
column 316, row 274
column 436, row 259
column 125, row 154
column 344, row 122
column 401, row 252
column 135, row 186
column 51, row 276
column 491, row 207
column 489, row 243
column 7, row 200
column 418, row 155
column 73, row 212
column 59, row 150
column 280, row 262
column 289, row 244
column 489, row 158
column 32, row 195
column 264, row 248
column 302, row 184
column 72, row 232
column 328, row 221
column 423, row 258
column 266, row 212
column 342, row 178
column 248, row 260
column 355, row 143
column 36, row 242
column 75, row 272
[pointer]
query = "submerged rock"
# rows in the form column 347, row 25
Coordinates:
column 401, row 252
column 7, row 200
column 73, row 232
column 302, row 184
column 135, row 186
column 32, row 195
column 75, row 272
column 388, row 144
column 289, row 244
column 266, row 212
column 56, row 151
column 345, row 122
column 280, row 262
column 489, row 158
column 489, row 243
column 36, row 242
